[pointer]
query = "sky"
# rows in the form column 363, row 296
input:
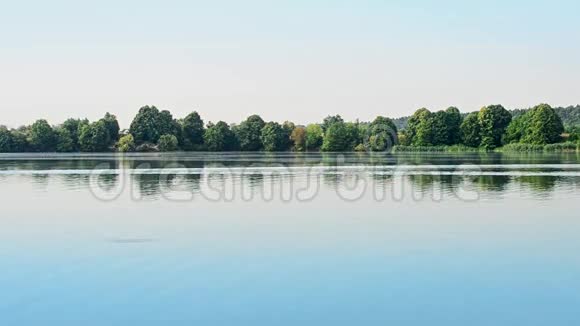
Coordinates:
column 285, row 60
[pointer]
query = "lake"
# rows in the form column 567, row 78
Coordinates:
column 290, row 239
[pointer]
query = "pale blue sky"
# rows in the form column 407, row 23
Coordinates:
column 296, row 60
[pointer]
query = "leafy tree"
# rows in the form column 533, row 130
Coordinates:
column 94, row 137
column 453, row 122
column 20, row 143
column 354, row 136
column 168, row 143
column 42, row 137
column 220, row 137
column 112, row 126
column 298, row 138
column 126, row 143
column 440, row 129
column 193, row 130
column 149, row 124
column 166, row 125
column 570, row 115
column 331, row 119
column 420, row 129
column 516, row 129
column 144, row 127
column 574, row 134
column 6, row 143
column 339, row 137
column 381, row 134
column 403, row 139
column 249, row 133
column 314, row 136
column 493, row 121
column 274, row 137
column 288, row 128
column 544, row 126
column 65, row 142
column 445, row 127
column 73, row 126
column 470, row 130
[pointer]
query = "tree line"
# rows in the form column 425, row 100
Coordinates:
column 157, row 130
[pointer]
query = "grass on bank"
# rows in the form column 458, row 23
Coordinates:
column 444, row 148
column 516, row 147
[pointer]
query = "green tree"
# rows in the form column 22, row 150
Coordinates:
column 403, row 138
column 331, row 119
column 94, row 137
column 380, row 135
column 168, row 143
column 470, row 130
column 20, row 143
column 420, row 129
column 298, row 138
column 6, row 142
column 453, row 120
column 42, row 137
column 64, row 142
column 74, row 128
column 440, row 129
column 249, row 133
column 314, row 136
column 166, row 125
column 493, row 121
column 274, row 137
column 340, row 137
column 149, row 124
column 516, row 129
column 193, row 130
column 544, row 126
column 112, row 126
column 288, row 128
column 574, row 134
column 220, row 137
column 126, row 143
column 144, row 127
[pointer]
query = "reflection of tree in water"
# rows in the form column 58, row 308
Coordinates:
column 253, row 179
column 62, row 164
column 189, row 182
column 423, row 181
column 450, row 183
column 573, row 182
column 435, row 182
column 151, row 185
column 40, row 180
column 74, row 181
column 539, row 183
column 193, row 181
column 148, row 184
column 381, row 179
column 332, row 179
column 108, row 182
column 492, row 182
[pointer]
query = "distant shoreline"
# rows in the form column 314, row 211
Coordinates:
column 493, row 128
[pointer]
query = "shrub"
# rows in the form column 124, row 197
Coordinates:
column 167, row 143
column 126, row 144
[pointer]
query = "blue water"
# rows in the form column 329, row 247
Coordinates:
column 216, row 239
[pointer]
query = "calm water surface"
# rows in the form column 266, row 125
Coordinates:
column 290, row 239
